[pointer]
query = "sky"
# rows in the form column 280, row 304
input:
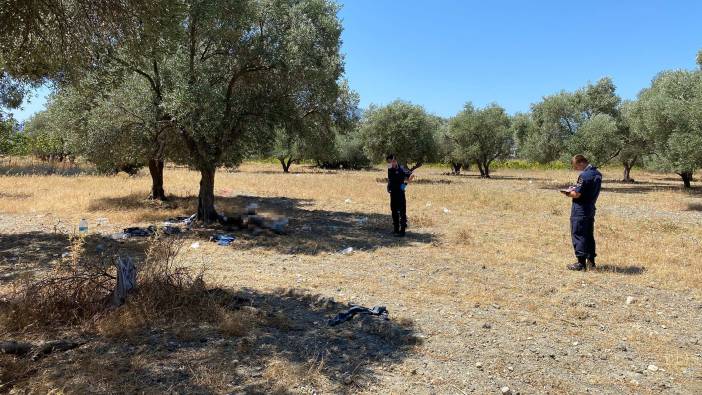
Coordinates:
column 443, row 53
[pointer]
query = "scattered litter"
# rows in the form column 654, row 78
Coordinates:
column 119, row 236
column 229, row 221
column 630, row 300
column 171, row 230
column 446, row 211
column 251, row 209
column 278, row 225
column 65, row 255
column 183, row 220
column 195, row 245
column 346, row 251
column 83, row 226
column 362, row 220
column 346, row 315
column 428, row 204
column 347, row 201
column 139, row 232
column 652, row 368
column 223, row 239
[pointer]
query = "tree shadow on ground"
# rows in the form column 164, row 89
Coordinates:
column 636, row 188
column 420, row 181
column 628, row 270
column 694, row 207
column 310, row 231
column 44, row 170
column 495, row 177
column 33, row 252
column 279, row 342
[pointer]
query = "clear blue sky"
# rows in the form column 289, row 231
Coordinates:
column 442, row 53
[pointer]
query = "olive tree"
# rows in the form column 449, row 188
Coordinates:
column 51, row 132
column 568, row 121
column 12, row 140
column 402, row 128
column 309, row 130
column 235, row 65
column 669, row 113
column 447, row 150
column 555, row 119
column 482, row 135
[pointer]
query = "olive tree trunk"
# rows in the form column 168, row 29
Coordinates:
column 484, row 167
column 628, row 165
column 687, row 178
column 156, row 171
column 286, row 163
column 205, row 202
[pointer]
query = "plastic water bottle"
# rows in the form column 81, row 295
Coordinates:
column 83, row 227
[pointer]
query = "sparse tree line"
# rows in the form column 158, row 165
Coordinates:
column 211, row 83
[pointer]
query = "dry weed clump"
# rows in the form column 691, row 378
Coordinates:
column 464, row 237
column 73, row 291
column 78, row 291
column 284, row 375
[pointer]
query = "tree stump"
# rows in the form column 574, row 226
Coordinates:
column 126, row 280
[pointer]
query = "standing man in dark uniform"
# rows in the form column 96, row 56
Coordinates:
column 398, row 177
column 582, row 214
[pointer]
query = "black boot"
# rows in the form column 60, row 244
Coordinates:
column 590, row 264
column 401, row 233
column 579, row 266
column 396, row 230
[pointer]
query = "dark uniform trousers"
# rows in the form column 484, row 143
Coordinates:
column 398, row 206
column 582, row 230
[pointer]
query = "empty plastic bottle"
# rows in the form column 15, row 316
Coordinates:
column 83, row 227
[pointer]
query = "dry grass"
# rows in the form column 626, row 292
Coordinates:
column 496, row 257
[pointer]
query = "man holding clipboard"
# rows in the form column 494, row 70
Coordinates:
column 582, row 214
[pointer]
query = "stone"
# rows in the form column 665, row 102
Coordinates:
column 652, row 368
column 630, row 300
column 479, row 365
column 506, row 391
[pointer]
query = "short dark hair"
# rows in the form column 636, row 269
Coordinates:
column 390, row 157
column 579, row 159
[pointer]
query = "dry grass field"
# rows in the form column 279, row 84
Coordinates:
column 478, row 294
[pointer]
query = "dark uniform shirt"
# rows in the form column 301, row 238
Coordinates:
column 589, row 184
column 396, row 177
